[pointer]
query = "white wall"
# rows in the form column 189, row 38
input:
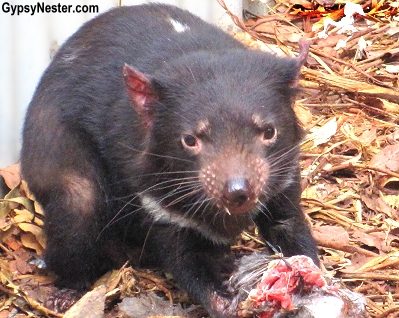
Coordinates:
column 28, row 41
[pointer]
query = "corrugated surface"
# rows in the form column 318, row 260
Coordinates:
column 26, row 44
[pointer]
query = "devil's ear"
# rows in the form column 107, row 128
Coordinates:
column 303, row 53
column 141, row 92
column 300, row 60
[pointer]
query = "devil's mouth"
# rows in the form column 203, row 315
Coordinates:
column 246, row 206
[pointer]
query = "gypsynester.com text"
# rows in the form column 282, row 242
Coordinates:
column 41, row 7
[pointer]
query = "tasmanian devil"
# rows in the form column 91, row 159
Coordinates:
column 154, row 130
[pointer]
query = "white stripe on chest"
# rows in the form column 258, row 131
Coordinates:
column 162, row 215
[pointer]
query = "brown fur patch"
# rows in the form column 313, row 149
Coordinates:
column 81, row 192
column 203, row 128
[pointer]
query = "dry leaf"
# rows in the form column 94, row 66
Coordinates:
column 304, row 115
column 30, row 241
column 319, row 191
column 331, row 236
column 23, row 216
column 368, row 136
column 11, row 175
column 35, row 230
column 91, row 305
column 387, row 158
column 20, row 267
column 321, row 135
column 5, row 272
column 379, row 205
column 393, row 201
column 28, row 204
column 331, row 41
column 392, row 68
column 6, row 206
column 367, row 239
column 357, row 261
column 42, row 280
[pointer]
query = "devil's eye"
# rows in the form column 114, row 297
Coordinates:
column 269, row 132
column 189, row 141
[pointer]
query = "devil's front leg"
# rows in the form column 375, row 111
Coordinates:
column 282, row 223
column 199, row 266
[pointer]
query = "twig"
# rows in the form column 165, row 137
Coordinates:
column 371, row 276
column 393, row 46
column 374, row 109
column 328, row 206
column 352, row 85
column 388, row 312
column 31, row 302
column 362, row 166
column 305, row 182
column 354, row 67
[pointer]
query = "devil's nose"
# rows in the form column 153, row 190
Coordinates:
column 238, row 194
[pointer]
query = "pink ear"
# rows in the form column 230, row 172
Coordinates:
column 141, row 93
column 303, row 52
column 300, row 59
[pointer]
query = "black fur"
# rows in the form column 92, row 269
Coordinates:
column 90, row 154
